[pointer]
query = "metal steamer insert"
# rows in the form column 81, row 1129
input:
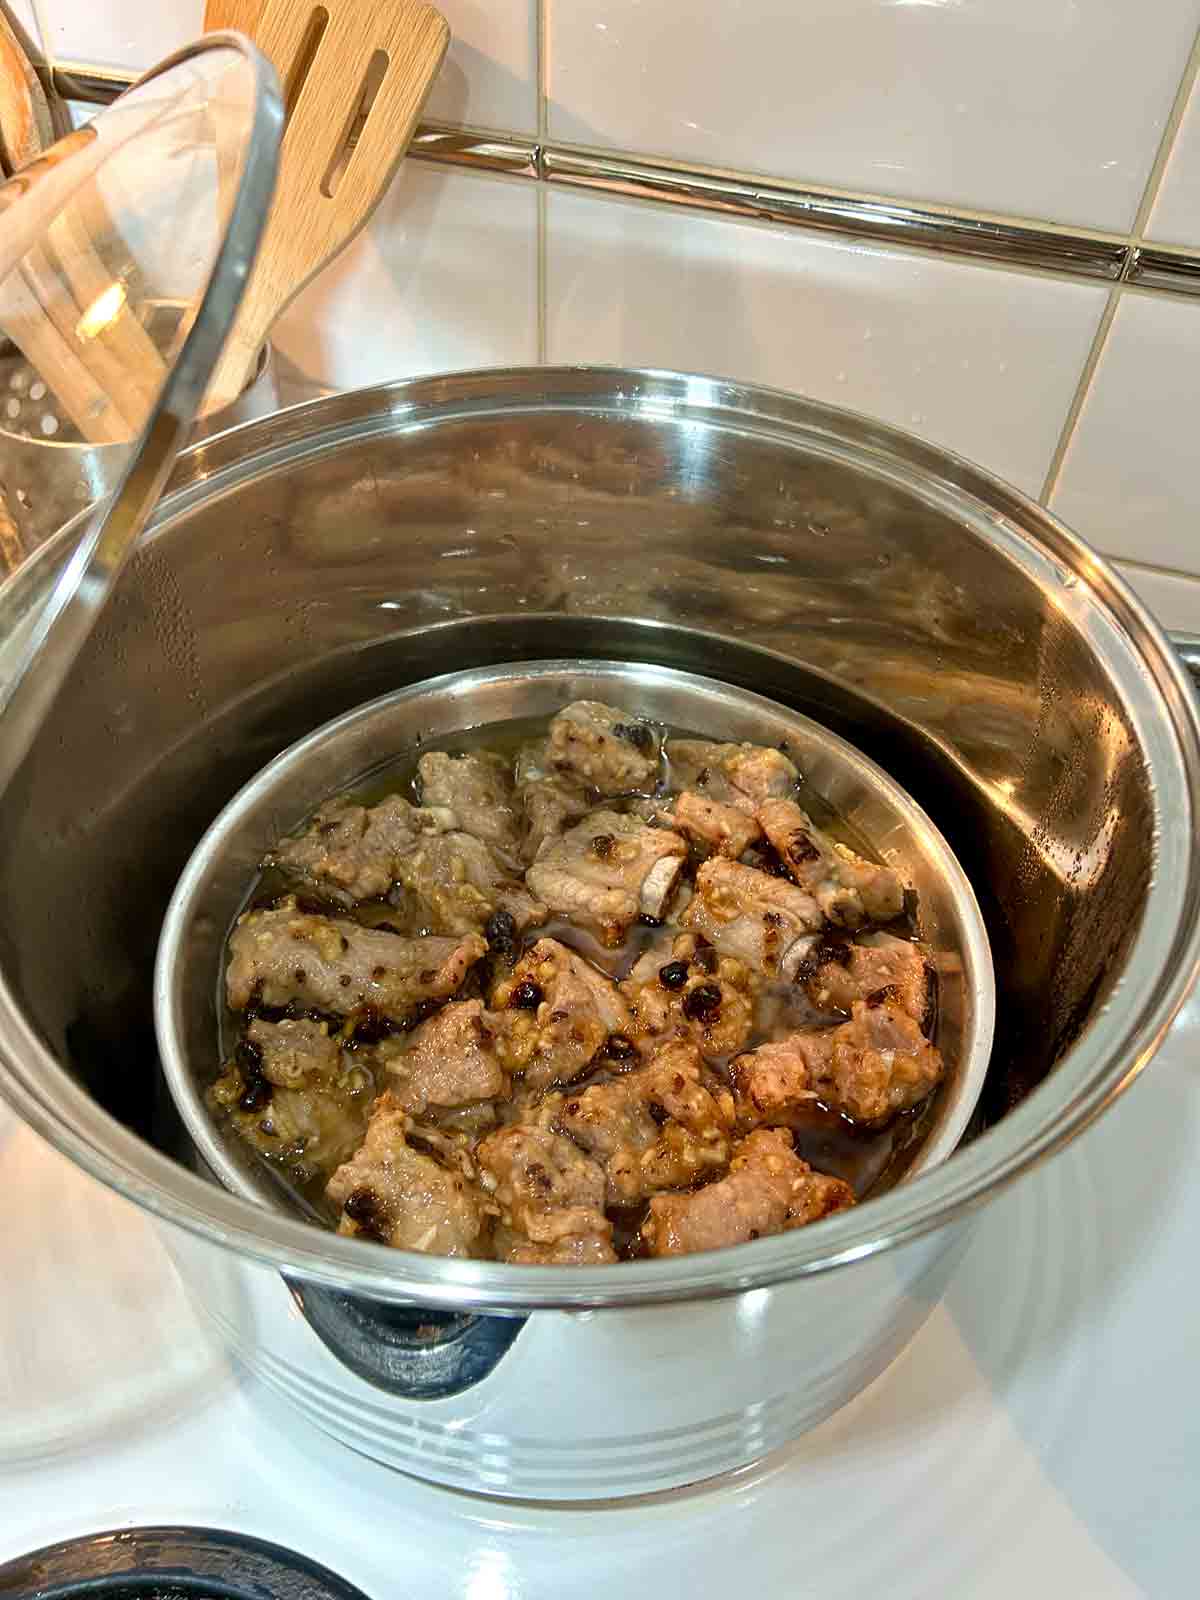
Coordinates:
column 213, row 889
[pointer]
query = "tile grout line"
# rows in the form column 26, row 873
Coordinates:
column 1091, row 362
column 1141, row 217
column 542, row 123
column 542, row 108
column 1166, row 143
column 541, row 274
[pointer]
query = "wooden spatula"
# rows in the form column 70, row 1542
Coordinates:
column 240, row 15
column 358, row 68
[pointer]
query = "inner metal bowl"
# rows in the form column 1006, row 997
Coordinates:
column 336, row 757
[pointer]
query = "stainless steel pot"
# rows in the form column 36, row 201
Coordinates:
column 950, row 628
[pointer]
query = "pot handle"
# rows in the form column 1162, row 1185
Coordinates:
column 412, row 1352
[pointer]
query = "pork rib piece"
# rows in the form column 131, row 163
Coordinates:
column 607, row 871
column 689, row 990
column 449, row 1060
column 558, row 1013
column 295, row 1096
column 603, row 747
column 658, row 1127
column 462, row 883
column 572, row 1250
column 548, row 801
column 758, row 919
column 547, row 1192
column 849, row 889
column 295, row 1050
column 737, row 775
column 768, row 1189
column 403, row 1197
column 285, row 956
column 349, row 852
column 877, row 965
column 870, row 1068
column 726, row 830
column 478, row 789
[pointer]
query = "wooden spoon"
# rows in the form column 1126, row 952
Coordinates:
column 26, row 127
column 348, row 67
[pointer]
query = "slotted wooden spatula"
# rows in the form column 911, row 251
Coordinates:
column 240, row 15
column 358, row 68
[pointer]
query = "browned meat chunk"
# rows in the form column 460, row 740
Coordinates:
column 659, row 1127
column 549, row 802
column 478, row 789
column 877, row 1064
column 849, row 889
column 551, row 805
column 738, row 775
column 758, row 919
column 607, row 871
column 769, row 1189
column 404, row 1198
column 572, row 1250
column 462, row 882
column 693, row 992
column 331, row 964
column 880, row 967
column 349, row 853
column 724, row 829
column 450, row 1060
column 462, row 1125
column 295, row 1050
column 292, row 1094
column 559, row 1013
column 603, row 747
column 546, row 1189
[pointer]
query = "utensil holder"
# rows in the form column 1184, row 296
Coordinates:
column 45, row 482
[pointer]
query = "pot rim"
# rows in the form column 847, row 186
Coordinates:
column 1115, row 1046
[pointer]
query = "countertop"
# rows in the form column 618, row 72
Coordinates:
column 1041, row 1436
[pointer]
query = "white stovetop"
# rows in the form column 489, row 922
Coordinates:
column 1041, row 1437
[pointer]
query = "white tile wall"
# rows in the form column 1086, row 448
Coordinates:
column 1130, row 481
column 984, row 361
column 489, row 79
column 490, row 76
column 1175, row 218
column 1048, row 108
column 1174, row 600
column 444, row 276
column 120, row 33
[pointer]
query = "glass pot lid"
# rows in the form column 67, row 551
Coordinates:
column 124, row 252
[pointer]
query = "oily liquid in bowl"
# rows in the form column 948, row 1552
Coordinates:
column 870, row 1160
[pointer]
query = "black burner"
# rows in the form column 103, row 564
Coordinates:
column 169, row 1564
